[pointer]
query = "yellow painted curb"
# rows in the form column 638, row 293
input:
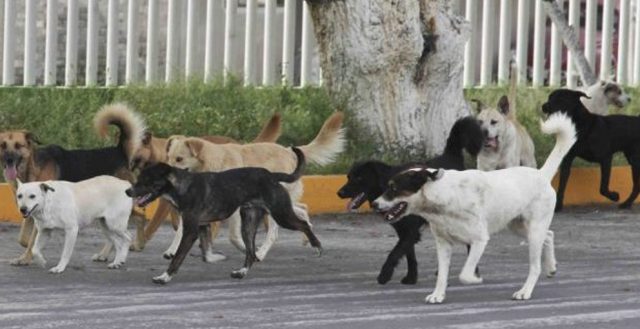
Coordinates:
column 320, row 192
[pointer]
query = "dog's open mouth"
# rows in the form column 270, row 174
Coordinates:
column 10, row 172
column 144, row 200
column 395, row 212
column 356, row 202
column 491, row 142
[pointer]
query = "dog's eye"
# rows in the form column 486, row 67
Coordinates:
column 19, row 196
column 3, row 145
column 32, row 196
column 493, row 122
column 18, row 146
column 179, row 159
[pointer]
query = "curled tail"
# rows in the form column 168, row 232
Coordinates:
column 328, row 143
column 297, row 173
column 130, row 124
column 466, row 133
column 560, row 125
column 270, row 131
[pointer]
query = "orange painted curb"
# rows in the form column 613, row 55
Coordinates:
column 320, row 192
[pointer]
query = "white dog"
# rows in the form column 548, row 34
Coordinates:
column 602, row 94
column 468, row 206
column 69, row 206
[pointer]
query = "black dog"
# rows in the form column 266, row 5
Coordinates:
column 199, row 197
column 368, row 180
column 599, row 137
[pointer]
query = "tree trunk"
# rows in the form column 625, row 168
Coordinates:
column 398, row 66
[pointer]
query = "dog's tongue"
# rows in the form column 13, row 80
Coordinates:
column 10, row 173
column 355, row 202
column 491, row 142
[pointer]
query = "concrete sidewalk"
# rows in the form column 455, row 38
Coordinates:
column 597, row 285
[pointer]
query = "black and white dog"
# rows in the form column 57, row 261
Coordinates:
column 201, row 198
column 599, row 137
column 368, row 180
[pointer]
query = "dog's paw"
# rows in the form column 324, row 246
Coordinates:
column 384, row 276
column 39, row 260
column 162, row 279
column 136, row 246
column 99, row 258
column 57, row 269
column 409, row 279
column 613, row 196
column 239, row 274
column 550, row 270
column 434, row 298
column 319, row 251
column 115, row 266
column 625, row 205
column 261, row 255
column 168, row 255
column 522, row 294
column 213, row 257
column 470, row 279
column 20, row 261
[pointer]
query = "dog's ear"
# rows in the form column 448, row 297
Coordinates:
column 46, row 188
column 479, row 105
column 195, row 146
column 581, row 94
column 169, row 141
column 146, row 138
column 18, row 182
column 503, row 105
column 31, row 138
column 435, row 174
column 603, row 83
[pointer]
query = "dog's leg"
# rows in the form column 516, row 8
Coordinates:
column 635, row 174
column 536, row 236
column 159, row 216
column 41, row 240
column 443, row 248
column 468, row 273
column 70, row 236
column 235, row 228
column 251, row 217
column 565, row 170
column 270, row 239
column 103, row 255
column 208, row 256
column 122, row 240
column 605, row 174
column 301, row 210
column 412, row 266
column 140, row 241
column 549, row 254
column 171, row 251
column 26, row 231
column 27, row 255
column 190, row 228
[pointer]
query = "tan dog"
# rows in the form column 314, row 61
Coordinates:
column 154, row 150
column 22, row 160
column 198, row 155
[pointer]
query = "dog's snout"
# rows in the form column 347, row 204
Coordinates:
column 341, row 193
column 24, row 210
column 128, row 192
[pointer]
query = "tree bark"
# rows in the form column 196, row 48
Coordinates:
column 397, row 64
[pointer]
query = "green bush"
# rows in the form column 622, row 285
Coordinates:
column 64, row 115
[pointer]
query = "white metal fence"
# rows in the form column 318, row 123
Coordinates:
column 267, row 42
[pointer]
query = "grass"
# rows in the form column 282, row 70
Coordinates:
column 64, row 115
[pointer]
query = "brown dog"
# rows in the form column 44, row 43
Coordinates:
column 21, row 159
column 154, row 150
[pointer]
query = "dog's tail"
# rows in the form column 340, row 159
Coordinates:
column 130, row 124
column 328, row 143
column 560, row 125
column 297, row 173
column 513, row 69
column 466, row 133
column 270, row 131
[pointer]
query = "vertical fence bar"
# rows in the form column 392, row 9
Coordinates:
column 9, row 45
column 636, row 55
column 307, row 46
column 538, row 44
column 504, row 43
column 51, row 43
column 607, row 33
column 288, row 41
column 486, row 53
column 250, row 42
column 171, row 61
column 214, row 20
column 91, row 72
column 131, row 73
column 622, row 70
column 29, row 76
column 71, row 53
column 112, row 43
column 469, row 73
column 190, row 64
column 521, row 40
column 268, row 59
column 151, row 69
column 555, row 66
column 590, row 33
column 574, row 20
column 229, row 37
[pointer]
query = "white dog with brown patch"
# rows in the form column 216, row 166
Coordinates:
column 469, row 206
column 70, row 206
column 602, row 94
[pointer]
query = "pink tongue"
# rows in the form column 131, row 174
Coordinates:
column 10, row 173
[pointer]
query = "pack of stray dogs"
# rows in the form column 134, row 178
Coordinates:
column 201, row 181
